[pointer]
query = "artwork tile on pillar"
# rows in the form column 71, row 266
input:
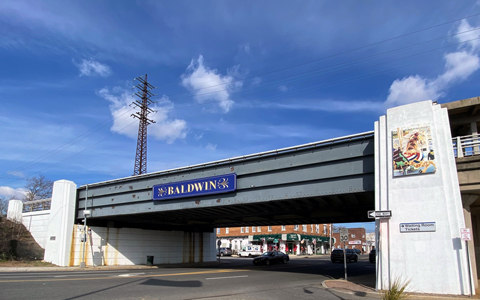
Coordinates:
column 413, row 151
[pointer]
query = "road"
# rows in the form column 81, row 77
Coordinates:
column 234, row 278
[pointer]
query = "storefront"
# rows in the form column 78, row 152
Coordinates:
column 311, row 244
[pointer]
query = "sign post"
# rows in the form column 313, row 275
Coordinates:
column 344, row 239
column 218, row 244
column 467, row 236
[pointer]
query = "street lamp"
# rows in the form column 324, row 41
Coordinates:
column 86, row 213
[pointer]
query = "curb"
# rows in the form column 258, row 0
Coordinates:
column 378, row 295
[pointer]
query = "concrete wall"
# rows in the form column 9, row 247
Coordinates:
column 37, row 223
column 129, row 246
column 435, row 262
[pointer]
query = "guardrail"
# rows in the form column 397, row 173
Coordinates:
column 37, row 205
column 467, row 145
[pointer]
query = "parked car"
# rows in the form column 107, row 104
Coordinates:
column 371, row 256
column 357, row 251
column 337, row 255
column 224, row 251
column 271, row 257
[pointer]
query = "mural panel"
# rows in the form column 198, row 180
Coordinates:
column 413, row 151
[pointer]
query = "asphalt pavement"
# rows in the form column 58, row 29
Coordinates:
column 306, row 276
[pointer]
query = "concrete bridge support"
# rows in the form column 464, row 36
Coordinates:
column 433, row 251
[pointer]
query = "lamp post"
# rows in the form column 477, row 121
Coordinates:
column 86, row 213
column 330, row 237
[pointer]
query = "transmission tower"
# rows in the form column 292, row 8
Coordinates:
column 143, row 95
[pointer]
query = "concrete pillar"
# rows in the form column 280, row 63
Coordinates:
column 467, row 200
column 474, row 131
column 60, row 227
column 427, row 211
column 14, row 212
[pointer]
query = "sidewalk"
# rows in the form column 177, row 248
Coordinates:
column 351, row 288
column 100, row 268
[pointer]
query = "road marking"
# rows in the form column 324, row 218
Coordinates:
column 130, row 274
column 50, row 274
column 227, row 277
column 116, row 277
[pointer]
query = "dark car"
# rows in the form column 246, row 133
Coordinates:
column 357, row 251
column 337, row 255
column 224, row 252
column 371, row 256
column 271, row 257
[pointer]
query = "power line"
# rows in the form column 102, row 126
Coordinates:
column 331, row 56
column 78, row 139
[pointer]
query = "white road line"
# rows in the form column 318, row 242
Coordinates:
column 130, row 274
column 227, row 277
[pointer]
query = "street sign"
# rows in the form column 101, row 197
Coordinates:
column 372, row 214
column 418, row 227
column 357, row 242
column 466, row 234
column 343, row 235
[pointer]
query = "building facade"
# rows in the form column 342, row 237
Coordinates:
column 357, row 239
column 291, row 239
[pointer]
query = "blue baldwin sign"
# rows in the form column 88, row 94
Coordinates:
column 196, row 187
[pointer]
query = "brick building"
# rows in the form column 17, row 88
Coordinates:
column 357, row 239
column 292, row 239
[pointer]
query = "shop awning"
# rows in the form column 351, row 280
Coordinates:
column 291, row 237
column 267, row 237
column 310, row 238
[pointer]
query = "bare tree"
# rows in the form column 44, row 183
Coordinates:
column 3, row 206
column 38, row 187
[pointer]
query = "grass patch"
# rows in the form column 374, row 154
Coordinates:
column 33, row 263
column 396, row 290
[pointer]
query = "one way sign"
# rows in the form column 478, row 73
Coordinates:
column 372, row 214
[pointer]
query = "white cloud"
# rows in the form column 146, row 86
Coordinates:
column 409, row 90
column 332, row 105
column 93, row 68
column 208, row 85
column 16, row 174
column 469, row 38
column 283, row 88
column 257, row 80
column 458, row 67
column 211, row 147
column 10, row 193
column 164, row 128
column 245, row 48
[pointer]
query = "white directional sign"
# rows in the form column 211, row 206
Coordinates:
column 343, row 235
column 372, row 214
column 418, row 227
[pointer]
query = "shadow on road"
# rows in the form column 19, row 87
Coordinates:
column 161, row 282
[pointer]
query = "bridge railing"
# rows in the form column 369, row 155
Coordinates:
column 37, row 205
column 467, row 145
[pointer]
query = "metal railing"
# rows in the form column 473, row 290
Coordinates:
column 37, row 205
column 467, row 145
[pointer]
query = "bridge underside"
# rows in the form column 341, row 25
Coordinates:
column 325, row 182
column 346, row 208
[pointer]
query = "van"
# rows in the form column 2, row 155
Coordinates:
column 250, row 251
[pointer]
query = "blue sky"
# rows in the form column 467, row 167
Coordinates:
column 233, row 77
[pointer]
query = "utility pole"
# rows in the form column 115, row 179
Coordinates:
column 143, row 94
